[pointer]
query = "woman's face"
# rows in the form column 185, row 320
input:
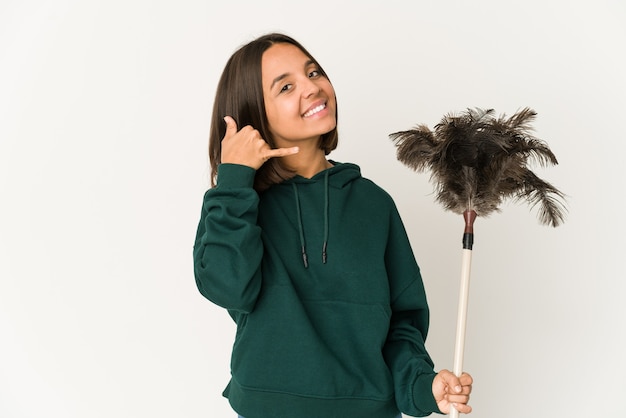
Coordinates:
column 299, row 101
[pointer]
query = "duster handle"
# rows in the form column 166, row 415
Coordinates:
column 466, row 265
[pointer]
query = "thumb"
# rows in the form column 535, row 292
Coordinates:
column 231, row 126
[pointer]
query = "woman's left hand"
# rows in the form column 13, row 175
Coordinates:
column 448, row 389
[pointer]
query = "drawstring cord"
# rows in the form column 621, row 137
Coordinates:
column 300, row 228
column 305, row 258
column 324, row 254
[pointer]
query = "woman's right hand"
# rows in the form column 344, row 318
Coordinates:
column 246, row 147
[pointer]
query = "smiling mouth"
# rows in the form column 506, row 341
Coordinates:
column 315, row 110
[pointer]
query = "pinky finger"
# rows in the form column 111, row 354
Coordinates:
column 281, row 152
column 462, row 408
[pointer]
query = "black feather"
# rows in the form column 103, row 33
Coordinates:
column 478, row 160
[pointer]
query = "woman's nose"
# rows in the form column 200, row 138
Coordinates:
column 310, row 88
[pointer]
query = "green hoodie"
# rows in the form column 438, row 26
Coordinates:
column 320, row 278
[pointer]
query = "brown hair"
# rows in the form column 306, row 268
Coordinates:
column 240, row 95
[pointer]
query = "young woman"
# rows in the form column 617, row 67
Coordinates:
column 310, row 259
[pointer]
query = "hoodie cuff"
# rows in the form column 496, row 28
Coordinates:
column 233, row 176
column 423, row 393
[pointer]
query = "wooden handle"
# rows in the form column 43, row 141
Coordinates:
column 459, row 344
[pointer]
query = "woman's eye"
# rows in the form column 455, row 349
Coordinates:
column 285, row 88
column 314, row 73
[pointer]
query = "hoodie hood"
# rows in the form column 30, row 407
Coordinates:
column 339, row 175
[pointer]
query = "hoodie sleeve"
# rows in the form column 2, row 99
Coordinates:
column 228, row 249
column 405, row 352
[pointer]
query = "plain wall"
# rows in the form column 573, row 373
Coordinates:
column 104, row 118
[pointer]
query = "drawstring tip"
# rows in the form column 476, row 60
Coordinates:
column 324, row 255
column 305, row 259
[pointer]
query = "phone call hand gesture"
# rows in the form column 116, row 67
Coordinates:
column 246, row 147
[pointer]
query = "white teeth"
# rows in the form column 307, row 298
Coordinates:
column 315, row 110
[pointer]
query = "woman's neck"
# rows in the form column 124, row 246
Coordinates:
column 307, row 162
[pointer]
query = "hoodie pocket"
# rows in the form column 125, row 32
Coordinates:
column 324, row 349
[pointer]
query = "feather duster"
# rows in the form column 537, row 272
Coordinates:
column 478, row 160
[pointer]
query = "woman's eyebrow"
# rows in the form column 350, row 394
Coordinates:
column 285, row 75
column 277, row 79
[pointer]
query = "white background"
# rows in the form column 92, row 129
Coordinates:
column 104, row 119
